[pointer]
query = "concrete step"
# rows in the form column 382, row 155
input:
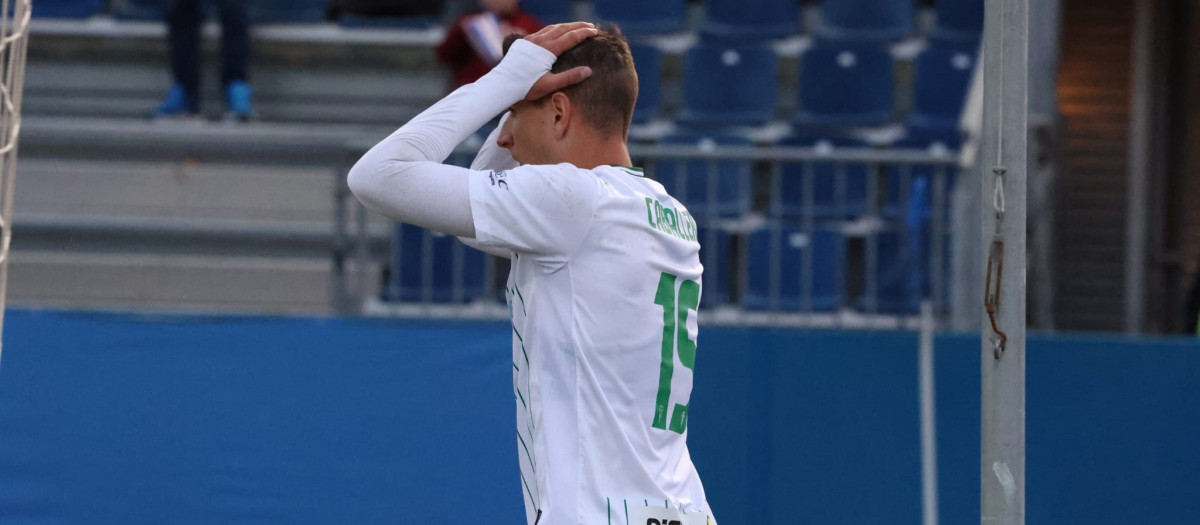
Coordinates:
column 274, row 285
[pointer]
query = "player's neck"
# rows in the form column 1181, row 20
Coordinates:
column 594, row 153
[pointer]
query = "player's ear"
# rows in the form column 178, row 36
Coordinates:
column 561, row 109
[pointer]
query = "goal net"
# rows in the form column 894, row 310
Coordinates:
column 14, row 42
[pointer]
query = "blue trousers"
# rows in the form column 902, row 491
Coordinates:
column 184, row 21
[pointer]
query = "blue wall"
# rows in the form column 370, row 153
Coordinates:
column 126, row 420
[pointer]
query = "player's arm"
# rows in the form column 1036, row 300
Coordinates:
column 403, row 177
column 492, row 157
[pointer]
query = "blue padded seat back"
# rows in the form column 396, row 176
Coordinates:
column 846, row 85
column 751, row 19
column 729, row 84
column 640, row 17
column 866, row 19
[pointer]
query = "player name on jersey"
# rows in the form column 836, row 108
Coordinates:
column 675, row 221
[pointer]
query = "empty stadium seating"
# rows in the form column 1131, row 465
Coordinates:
column 424, row 265
column 941, row 80
column 866, row 19
column 287, row 11
column 715, row 246
column 837, row 191
column 548, row 11
column 903, row 270
column 899, row 181
column 639, row 17
column 152, row 10
column 729, row 84
column 845, row 84
column 959, row 21
column 751, row 19
column 648, row 61
column 707, row 188
column 787, row 247
column 67, row 8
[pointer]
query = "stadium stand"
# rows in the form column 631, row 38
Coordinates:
column 845, row 85
column 751, row 19
column 866, row 19
column 778, row 273
column 139, row 10
column 432, row 267
column 67, row 8
column 322, row 86
column 958, row 21
column 287, row 11
column 708, row 188
column 549, row 11
column 715, row 255
column 641, row 17
column 839, row 191
column 647, row 59
column 941, row 80
column 726, row 83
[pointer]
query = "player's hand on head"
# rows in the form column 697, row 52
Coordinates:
column 557, row 39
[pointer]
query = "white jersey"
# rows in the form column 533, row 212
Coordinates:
column 603, row 293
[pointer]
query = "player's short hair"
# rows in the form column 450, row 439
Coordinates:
column 605, row 99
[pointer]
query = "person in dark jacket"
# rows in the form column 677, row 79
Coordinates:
column 473, row 43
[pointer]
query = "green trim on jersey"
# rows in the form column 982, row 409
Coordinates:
column 632, row 170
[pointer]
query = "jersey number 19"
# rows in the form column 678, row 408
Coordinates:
column 675, row 339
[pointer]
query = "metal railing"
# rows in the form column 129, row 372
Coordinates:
column 805, row 236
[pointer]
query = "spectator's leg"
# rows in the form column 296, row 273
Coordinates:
column 184, row 19
column 235, row 41
column 235, row 57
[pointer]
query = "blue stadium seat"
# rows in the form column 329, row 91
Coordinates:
column 866, row 19
column 425, row 265
column 708, row 189
column 898, row 194
column 66, row 8
column 831, row 198
column 845, row 85
column 942, row 77
column 729, row 84
column 639, row 17
column 753, row 19
column 895, row 289
column 715, row 244
column 786, row 247
column 287, row 11
column 902, row 271
column 549, row 11
column 146, row 10
column 958, row 21
column 647, row 60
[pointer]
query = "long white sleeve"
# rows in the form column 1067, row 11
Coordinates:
column 492, row 157
column 403, row 176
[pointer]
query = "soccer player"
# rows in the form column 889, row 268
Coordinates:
column 605, row 278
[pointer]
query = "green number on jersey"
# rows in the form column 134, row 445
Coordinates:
column 675, row 336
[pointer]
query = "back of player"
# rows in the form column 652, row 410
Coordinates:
column 604, row 287
column 605, row 277
column 641, row 322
